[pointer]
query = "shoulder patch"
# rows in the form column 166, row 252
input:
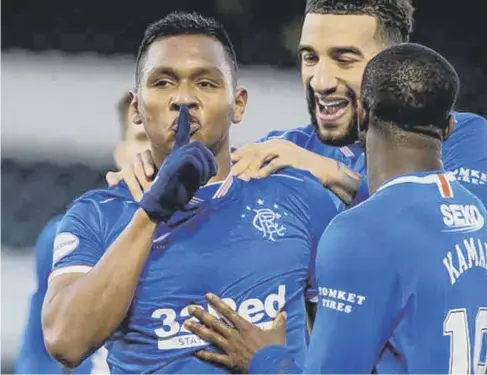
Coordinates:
column 64, row 244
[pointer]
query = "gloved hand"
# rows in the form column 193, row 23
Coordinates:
column 187, row 167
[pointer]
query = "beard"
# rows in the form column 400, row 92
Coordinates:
column 352, row 134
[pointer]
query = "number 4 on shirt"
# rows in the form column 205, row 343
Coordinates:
column 456, row 326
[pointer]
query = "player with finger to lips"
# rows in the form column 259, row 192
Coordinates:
column 136, row 256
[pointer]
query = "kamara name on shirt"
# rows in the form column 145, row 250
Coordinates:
column 471, row 252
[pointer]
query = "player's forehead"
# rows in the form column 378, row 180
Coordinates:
column 185, row 54
column 326, row 31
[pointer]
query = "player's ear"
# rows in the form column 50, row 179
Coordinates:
column 134, row 113
column 363, row 116
column 449, row 128
column 239, row 105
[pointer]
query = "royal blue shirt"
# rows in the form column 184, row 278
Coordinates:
column 411, row 277
column 251, row 243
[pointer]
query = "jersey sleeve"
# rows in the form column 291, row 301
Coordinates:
column 464, row 153
column 79, row 242
column 358, row 291
column 33, row 357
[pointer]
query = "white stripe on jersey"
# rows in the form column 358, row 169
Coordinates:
column 69, row 269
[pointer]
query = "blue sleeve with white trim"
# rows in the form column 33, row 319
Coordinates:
column 79, row 240
column 358, row 303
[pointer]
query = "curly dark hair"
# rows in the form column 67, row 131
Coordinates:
column 395, row 17
column 410, row 87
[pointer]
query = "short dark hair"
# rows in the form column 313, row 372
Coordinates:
column 394, row 17
column 123, row 112
column 410, row 87
column 181, row 23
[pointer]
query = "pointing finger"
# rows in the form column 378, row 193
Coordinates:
column 183, row 130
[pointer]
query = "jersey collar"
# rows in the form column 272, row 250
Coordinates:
column 430, row 177
column 214, row 190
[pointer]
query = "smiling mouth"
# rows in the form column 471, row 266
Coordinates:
column 331, row 109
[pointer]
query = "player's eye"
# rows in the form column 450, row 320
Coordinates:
column 309, row 58
column 206, row 84
column 345, row 60
column 162, row 83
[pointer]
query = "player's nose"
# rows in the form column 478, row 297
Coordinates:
column 182, row 97
column 324, row 78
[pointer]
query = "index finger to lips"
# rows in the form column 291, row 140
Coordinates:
column 183, row 130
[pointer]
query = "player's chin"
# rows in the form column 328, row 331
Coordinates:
column 334, row 134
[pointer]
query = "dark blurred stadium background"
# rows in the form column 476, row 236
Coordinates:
column 65, row 64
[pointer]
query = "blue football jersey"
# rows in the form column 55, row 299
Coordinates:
column 251, row 243
column 412, row 278
column 464, row 153
column 33, row 357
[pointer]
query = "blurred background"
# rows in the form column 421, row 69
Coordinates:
column 65, row 64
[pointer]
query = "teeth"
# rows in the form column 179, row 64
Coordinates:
column 330, row 103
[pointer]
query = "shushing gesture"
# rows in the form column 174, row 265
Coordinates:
column 186, row 168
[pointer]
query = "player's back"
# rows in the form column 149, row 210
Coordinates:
column 438, row 240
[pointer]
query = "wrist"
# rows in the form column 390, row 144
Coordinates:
column 326, row 170
column 156, row 207
column 144, row 219
column 342, row 181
